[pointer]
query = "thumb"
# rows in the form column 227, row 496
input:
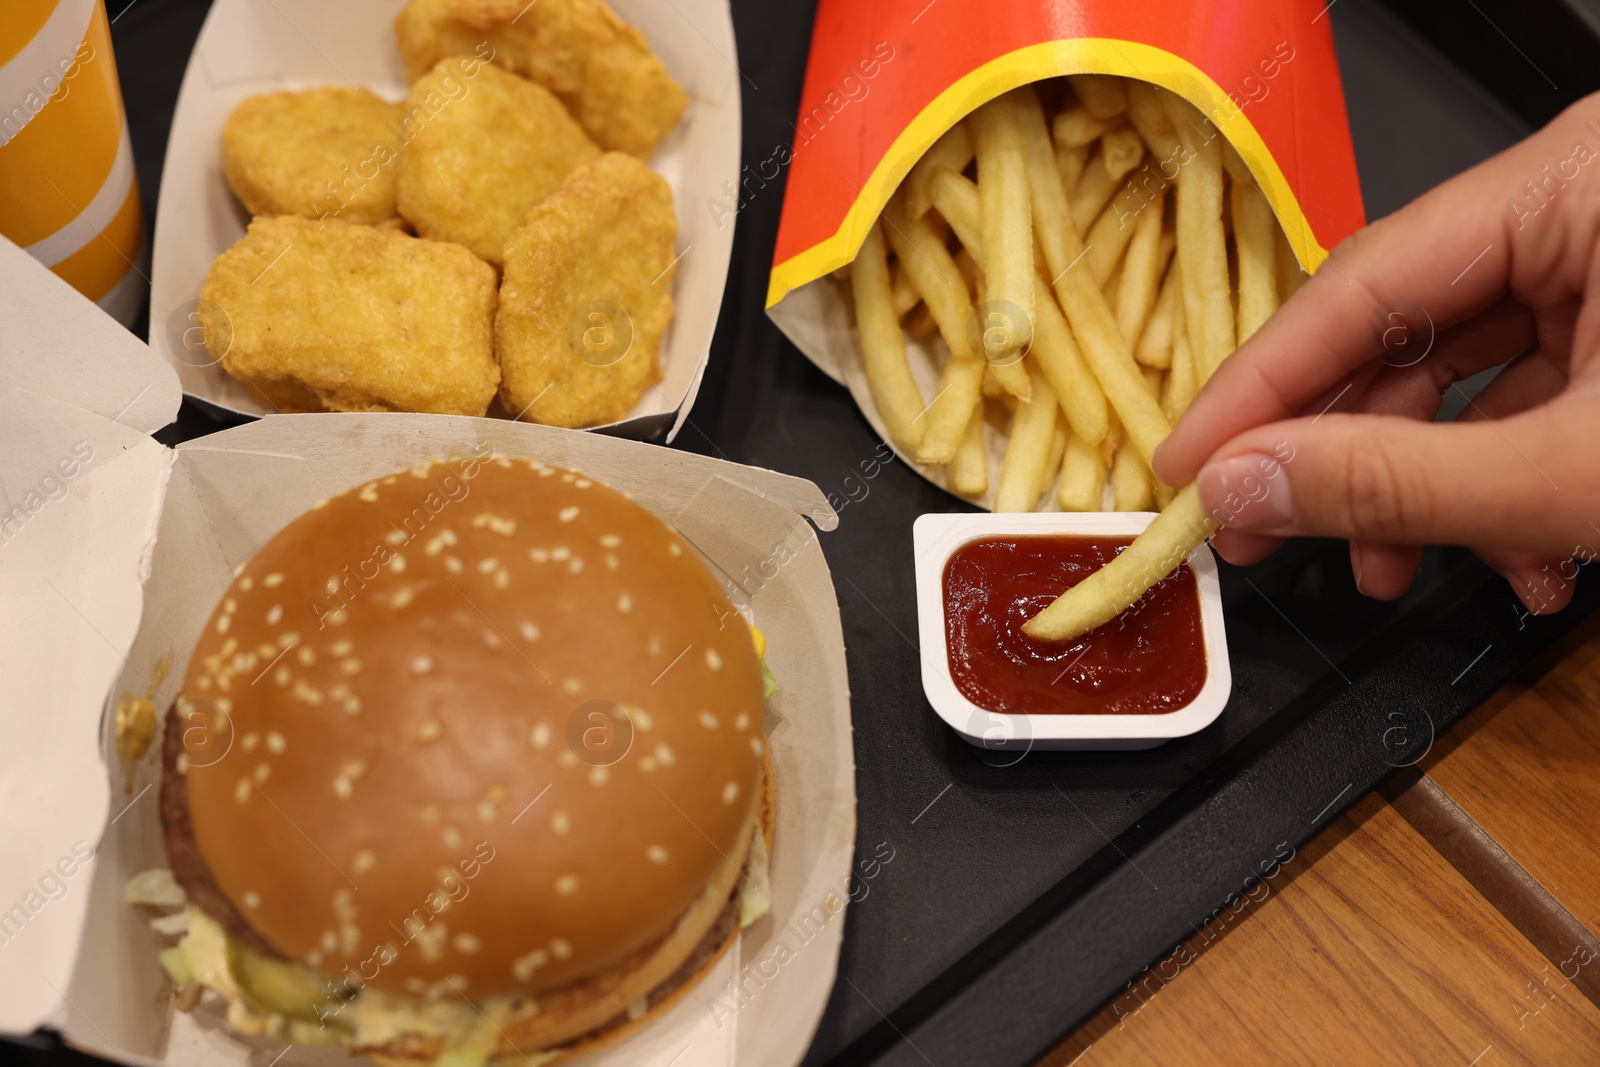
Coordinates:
column 1510, row 483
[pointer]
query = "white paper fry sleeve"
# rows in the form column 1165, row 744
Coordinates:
column 230, row 492
column 248, row 47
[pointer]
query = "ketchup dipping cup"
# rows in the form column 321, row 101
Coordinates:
column 1160, row 670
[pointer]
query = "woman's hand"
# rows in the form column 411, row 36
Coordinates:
column 1500, row 263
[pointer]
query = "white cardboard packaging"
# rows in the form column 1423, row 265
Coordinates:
column 116, row 558
column 936, row 537
column 255, row 46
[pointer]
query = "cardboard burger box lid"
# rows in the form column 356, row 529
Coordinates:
column 115, row 548
column 248, row 47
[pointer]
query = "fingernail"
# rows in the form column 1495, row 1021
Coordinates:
column 1248, row 492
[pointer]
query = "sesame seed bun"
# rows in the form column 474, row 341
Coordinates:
column 481, row 729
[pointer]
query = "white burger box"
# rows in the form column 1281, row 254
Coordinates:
column 113, row 553
column 248, row 47
column 935, row 537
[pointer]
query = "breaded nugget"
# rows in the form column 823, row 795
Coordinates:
column 319, row 152
column 600, row 66
column 367, row 319
column 587, row 295
column 482, row 149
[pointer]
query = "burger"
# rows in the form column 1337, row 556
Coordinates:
column 468, row 764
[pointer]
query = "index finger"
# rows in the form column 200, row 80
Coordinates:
column 1442, row 258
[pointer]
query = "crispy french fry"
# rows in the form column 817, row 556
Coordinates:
column 1164, row 494
column 1202, row 242
column 1165, row 321
column 1028, row 450
column 1107, row 239
column 953, row 150
column 1083, row 476
column 1006, row 221
column 1170, row 538
column 1131, row 484
column 1142, row 267
column 1182, row 379
column 1253, row 226
column 1120, row 151
column 905, row 295
column 956, row 199
column 1290, row 276
column 1103, row 94
column 955, row 405
column 883, row 346
column 968, row 473
column 992, row 389
column 1076, row 127
column 1070, row 162
column 1093, row 192
column 1148, row 115
column 1093, row 325
column 1052, row 466
column 1083, row 404
column 971, row 270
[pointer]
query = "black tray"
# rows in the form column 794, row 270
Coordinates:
column 1021, row 897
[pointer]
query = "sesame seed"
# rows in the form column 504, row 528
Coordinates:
column 708, row 720
column 263, row 771
column 282, row 676
column 656, row 854
column 274, row 614
column 429, row 731
column 561, row 949
column 341, row 648
column 487, row 565
column 352, row 705
column 647, row 764
column 422, row 664
column 451, row 837
column 571, row 686
column 560, row 822
column 250, row 900
column 672, row 547
column 540, row 737
column 730, row 792
column 624, row 603
column 610, row 541
column 583, row 483
column 467, row 943
column 223, row 622
column 249, row 741
column 598, row 776
column 539, row 555
column 430, row 813
column 354, row 769
column 566, row 759
column 266, row 651
column 612, row 563
column 307, row 656
column 342, row 787
column 498, row 793
column 246, row 584
column 330, row 941
column 401, row 597
column 485, row 811
column 664, row 754
column 288, row 638
column 756, row 747
column 276, row 743
column 273, row 580
column 230, row 605
column 576, row 566
column 642, row 719
column 741, row 721
column 566, row 885
column 493, row 640
column 567, row 514
column 523, row 967
column 241, row 791
column 369, row 494
column 351, row 666
column 453, row 565
column 529, row 631
column 502, row 578
column 653, row 648
column 713, row 660
column 332, row 585
column 337, row 618
column 395, row 537
column 560, row 552
column 364, row 861
column 398, row 564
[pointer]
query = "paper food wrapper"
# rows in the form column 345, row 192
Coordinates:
column 115, row 550
column 885, row 80
column 248, row 47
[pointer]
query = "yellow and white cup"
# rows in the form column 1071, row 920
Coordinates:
column 68, row 194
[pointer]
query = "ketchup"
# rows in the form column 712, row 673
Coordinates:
column 1149, row 660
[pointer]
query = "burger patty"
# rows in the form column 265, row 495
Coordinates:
column 189, row 868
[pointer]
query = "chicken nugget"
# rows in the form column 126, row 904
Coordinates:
column 587, row 296
column 483, row 149
column 601, row 67
column 319, row 153
column 366, row 319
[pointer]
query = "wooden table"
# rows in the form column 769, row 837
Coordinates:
column 1450, row 918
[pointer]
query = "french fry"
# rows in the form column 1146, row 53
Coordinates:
column 1170, row 538
column 1142, row 267
column 1028, row 450
column 1093, row 325
column 1120, row 151
column 1093, row 192
column 1052, row 466
column 883, row 346
column 1166, row 320
column 1103, row 94
column 1253, row 226
column 1182, row 380
column 1070, row 162
column 1148, row 114
column 992, row 389
column 953, row 407
column 968, row 473
column 1107, row 239
column 1083, row 476
column 1083, row 404
column 956, row 199
column 1007, row 225
column 1202, row 242
column 905, row 295
column 1077, row 127
column 1131, row 488
column 1290, row 276
column 953, row 150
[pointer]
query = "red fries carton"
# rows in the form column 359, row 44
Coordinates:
column 885, row 80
